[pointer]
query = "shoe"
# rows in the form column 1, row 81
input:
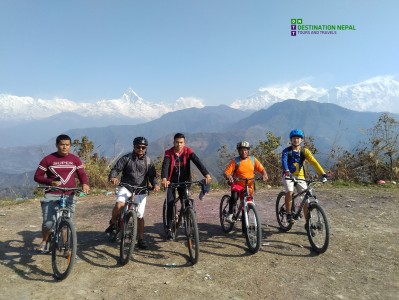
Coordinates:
column 229, row 219
column 290, row 219
column 169, row 235
column 141, row 244
column 42, row 248
column 111, row 228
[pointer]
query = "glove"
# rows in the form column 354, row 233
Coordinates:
column 324, row 178
column 287, row 174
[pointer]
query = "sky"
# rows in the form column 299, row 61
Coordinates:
column 218, row 51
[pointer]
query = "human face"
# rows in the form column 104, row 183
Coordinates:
column 296, row 141
column 243, row 152
column 140, row 150
column 179, row 144
column 63, row 147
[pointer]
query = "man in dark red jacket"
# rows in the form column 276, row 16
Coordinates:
column 176, row 168
column 59, row 169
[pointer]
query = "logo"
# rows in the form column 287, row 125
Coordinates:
column 299, row 28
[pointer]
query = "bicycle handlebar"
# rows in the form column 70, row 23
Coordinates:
column 135, row 188
column 307, row 180
column 185, row 183
column 61, row 189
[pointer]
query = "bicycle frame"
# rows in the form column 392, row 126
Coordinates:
column 244, row 197
column 306, row 194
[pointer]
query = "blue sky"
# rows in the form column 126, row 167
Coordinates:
column 215, row 50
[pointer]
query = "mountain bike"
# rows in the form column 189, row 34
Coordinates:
column 316, row 224
column 62, row 242
column 244, row 210
column 184, row 216
column 126, row 229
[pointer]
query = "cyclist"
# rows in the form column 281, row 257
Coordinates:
column 292, row 159
column 243, row 166
column 137, row 170
column 58, row 169
column 176, row 168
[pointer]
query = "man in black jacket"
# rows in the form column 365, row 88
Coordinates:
column 137, row 170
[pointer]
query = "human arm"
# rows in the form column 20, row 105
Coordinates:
column 116, row 170
column 314, row 163
column 261, row 169
column 201, row 167
column 152, row 177
column 166, row 165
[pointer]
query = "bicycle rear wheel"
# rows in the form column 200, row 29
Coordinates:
column 128, row 237
column 224, row 212
column 63, row 254
column 281, row 213
column 252, row 230
column 317, row 228
column 192, row 234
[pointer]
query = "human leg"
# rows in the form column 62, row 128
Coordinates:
column 289, row 188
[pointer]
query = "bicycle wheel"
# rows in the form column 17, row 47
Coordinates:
column 164, row 219
column 317, row 228
column 63, row 254
column 252, row 230
column 128, row 237
column 281, row 213
column 223, row 213
column 192, row 235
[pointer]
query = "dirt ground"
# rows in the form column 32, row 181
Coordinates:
column 360, row 263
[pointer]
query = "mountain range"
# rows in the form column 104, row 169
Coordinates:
column 206, row 129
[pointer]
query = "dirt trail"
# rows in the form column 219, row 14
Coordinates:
column 361, row 262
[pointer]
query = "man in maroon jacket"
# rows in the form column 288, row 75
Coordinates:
column 59, row 169
column 176, row 168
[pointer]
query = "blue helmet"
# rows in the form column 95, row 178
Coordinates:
column 296, row 132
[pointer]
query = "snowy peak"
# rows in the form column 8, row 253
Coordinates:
column 378, row 94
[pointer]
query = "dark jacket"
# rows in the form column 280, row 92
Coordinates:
column 177, row 168
column 135, row 171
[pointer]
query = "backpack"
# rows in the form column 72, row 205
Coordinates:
column 238, row 160
column 301, row 156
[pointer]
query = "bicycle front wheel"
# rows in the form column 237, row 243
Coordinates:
column 252, row 229
column 317, row 228
column 281, row 213
column 192, row 234
column 128, row 237
column 223, row 213
column 64, row 248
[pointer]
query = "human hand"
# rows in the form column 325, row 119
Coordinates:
column 85, row 188
column 208, row 179
column 114, row 181
column 287, row 173
column 324, row 178
column 157, row 188
column 165, row 183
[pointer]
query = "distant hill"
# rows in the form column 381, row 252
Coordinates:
column 209, row 128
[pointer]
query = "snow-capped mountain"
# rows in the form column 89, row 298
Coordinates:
column 378, row 94
column 130, row 105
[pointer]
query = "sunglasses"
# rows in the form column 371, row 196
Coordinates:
column 140, row 147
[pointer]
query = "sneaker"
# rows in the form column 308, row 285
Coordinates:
column 141, row 244
column 169, row 235
column 290, row 219
column 229, row 219
column 111, row 228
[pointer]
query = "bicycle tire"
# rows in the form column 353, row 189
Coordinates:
column 318, row 228
column 128, row 237
column 164, row 215
column 192, row 235
column 252, row 230
column 281, row 213
column 223, row 213
column 63, row 254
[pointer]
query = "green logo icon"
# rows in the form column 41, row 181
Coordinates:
column 296, row 21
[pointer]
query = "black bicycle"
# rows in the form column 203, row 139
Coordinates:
column 316, row 224
column 245, row 210
column 184, row 216
column 62, row 242
column 126, row 229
